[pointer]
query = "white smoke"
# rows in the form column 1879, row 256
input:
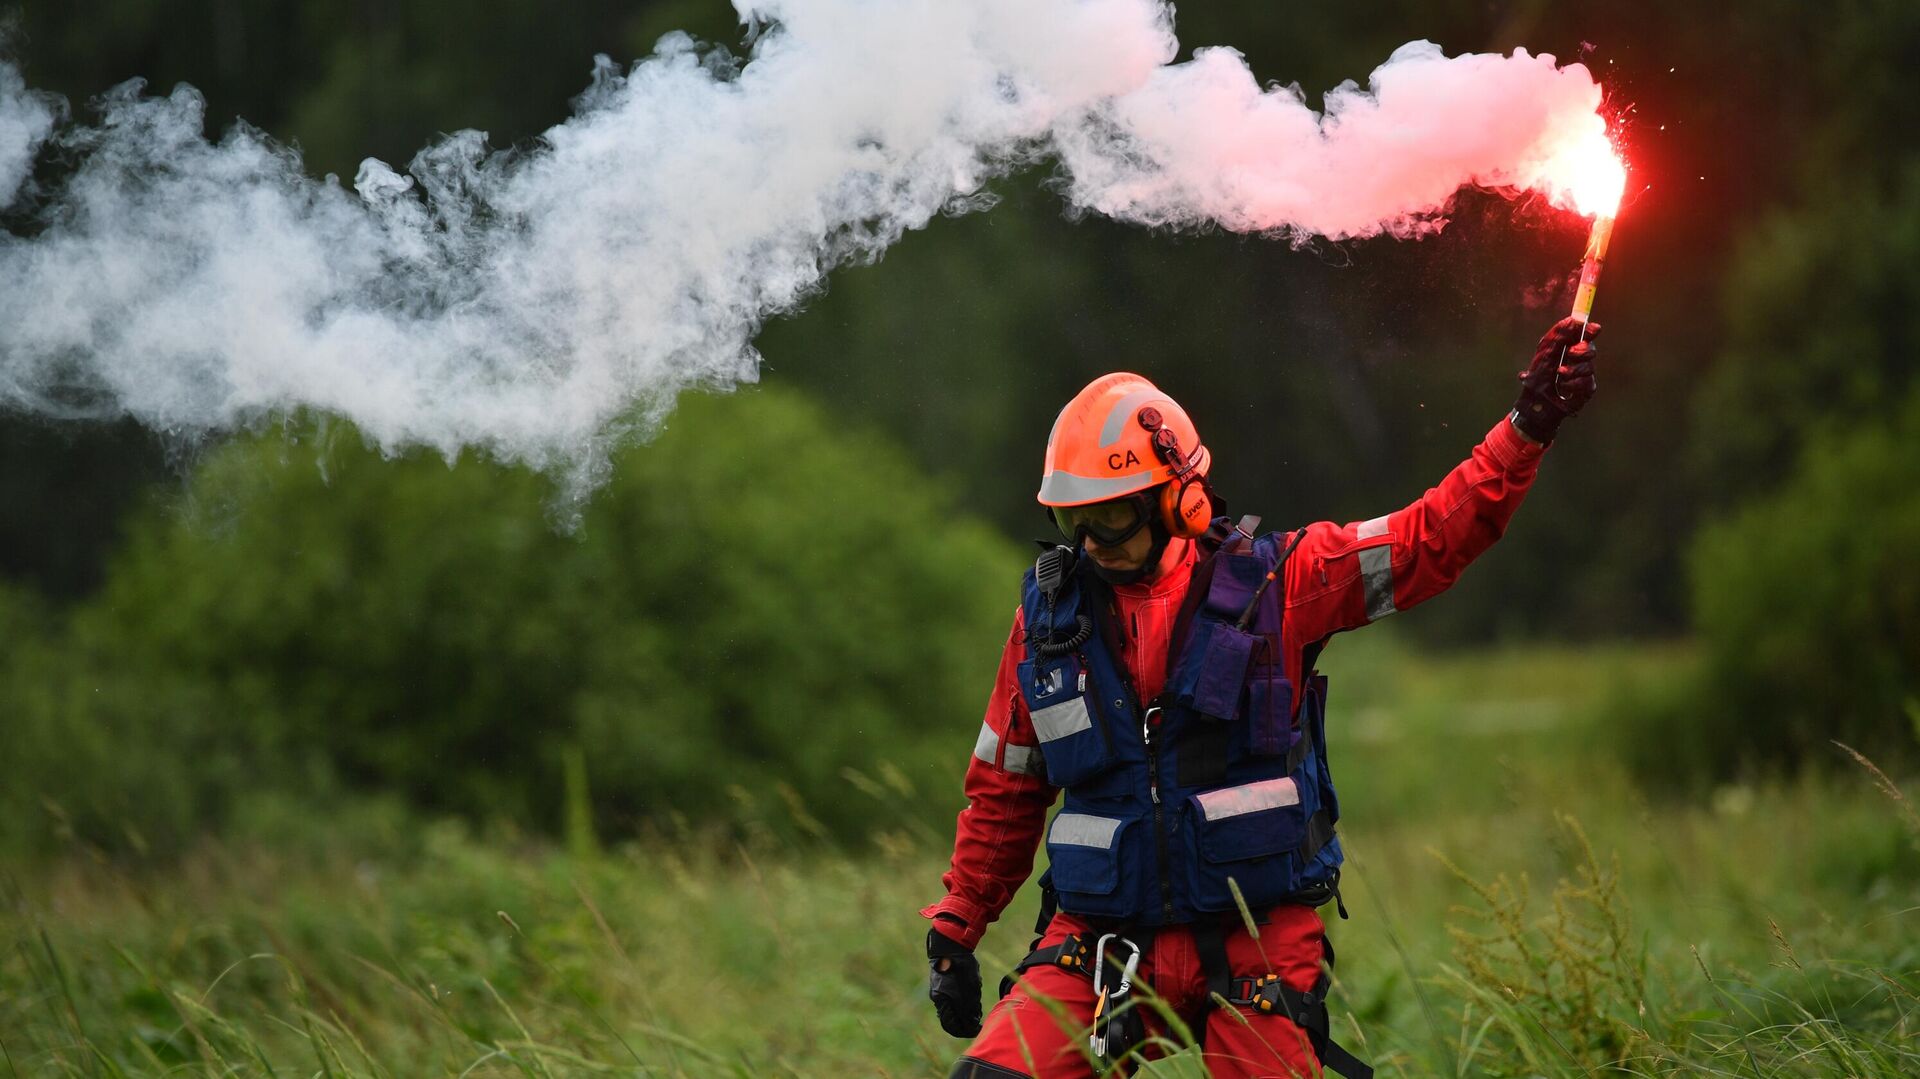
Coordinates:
column 542, row 306
column 25, row 121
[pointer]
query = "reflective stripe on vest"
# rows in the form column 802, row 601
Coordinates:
column 1248, row 798
column 1083, row 830
column 1236, row 819
column 1056, row 721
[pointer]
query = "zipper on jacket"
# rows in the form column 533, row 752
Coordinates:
column 1159, row 814
column 1161, row 855
column 1096, row 710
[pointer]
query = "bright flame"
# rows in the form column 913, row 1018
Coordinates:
column 1586, row 174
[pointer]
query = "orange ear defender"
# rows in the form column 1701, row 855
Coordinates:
column 1185, row 509
column 1185, row 506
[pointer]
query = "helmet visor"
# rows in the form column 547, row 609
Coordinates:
column 1110, row 523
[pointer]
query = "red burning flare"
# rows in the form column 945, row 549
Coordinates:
column 1597, row 179
column 1584, row 171
column 1588, row 176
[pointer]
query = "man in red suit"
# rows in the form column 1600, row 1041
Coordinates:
column 1159, row 673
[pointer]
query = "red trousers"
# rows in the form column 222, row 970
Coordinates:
column 1040, row 1029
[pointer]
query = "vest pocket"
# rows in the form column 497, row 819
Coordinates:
column 1066, row 721
column 1249, row 833
column 1270, row 730
column 1214, row 669
column 1089, row 860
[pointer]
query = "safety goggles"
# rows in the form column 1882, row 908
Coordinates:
column 1109, row 523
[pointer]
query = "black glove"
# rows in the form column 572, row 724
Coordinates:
column 953, row 984
column 1559, row 382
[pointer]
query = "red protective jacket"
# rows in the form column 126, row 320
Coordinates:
column 1332, row 585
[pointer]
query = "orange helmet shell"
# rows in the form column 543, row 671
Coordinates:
column 1098, row 450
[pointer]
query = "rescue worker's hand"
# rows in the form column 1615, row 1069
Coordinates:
column 953, row 983
column 1559, row 382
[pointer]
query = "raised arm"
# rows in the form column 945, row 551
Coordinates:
column 1343, row 576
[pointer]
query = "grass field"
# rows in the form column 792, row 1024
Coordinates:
column 1518, row 908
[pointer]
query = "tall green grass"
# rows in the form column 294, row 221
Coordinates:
column 1518, row 909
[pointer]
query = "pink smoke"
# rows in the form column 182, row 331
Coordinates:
column 1202, row 142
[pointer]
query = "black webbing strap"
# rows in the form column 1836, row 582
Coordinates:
column 970, row 1068
column 1268, row 994
column 1049, row 906
column 1075, row 953
column 1202, row 759
column 1319, row 833
column 1298, row 754
column 1210, row 945
column 1320, row 824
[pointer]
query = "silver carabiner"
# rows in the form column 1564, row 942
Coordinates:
column 1146, row 724
column 1102, row 1014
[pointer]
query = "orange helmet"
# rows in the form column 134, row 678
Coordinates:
column 1122, row 436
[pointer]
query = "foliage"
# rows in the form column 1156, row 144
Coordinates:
column 1569, row 993
column 1808, row 604
column 770, row 630
column 1820, row 332
column 342, row 945
column 1333, row 381
column 757, row 601
column 1571, row 980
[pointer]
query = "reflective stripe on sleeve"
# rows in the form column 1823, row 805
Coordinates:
column 987, row 746
column 1370, row 529
column 1081, row 830
column 1376, row 580
column 1056, row 721
column 1248, row 798
column 1026, row 760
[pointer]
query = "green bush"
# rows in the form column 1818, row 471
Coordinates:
column 1807, row 604
column 755, row 602
column 1819, row 327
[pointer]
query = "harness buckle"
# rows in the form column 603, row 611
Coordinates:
column 1073, row 952
column 1268, row 995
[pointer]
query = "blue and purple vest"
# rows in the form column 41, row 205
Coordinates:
column 1219, row 784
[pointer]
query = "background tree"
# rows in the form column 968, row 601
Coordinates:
column 311, row 616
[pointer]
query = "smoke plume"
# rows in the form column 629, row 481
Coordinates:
column 25, row 121
column 543, row 305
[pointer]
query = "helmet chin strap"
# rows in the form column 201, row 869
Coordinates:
column 1161, row 537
